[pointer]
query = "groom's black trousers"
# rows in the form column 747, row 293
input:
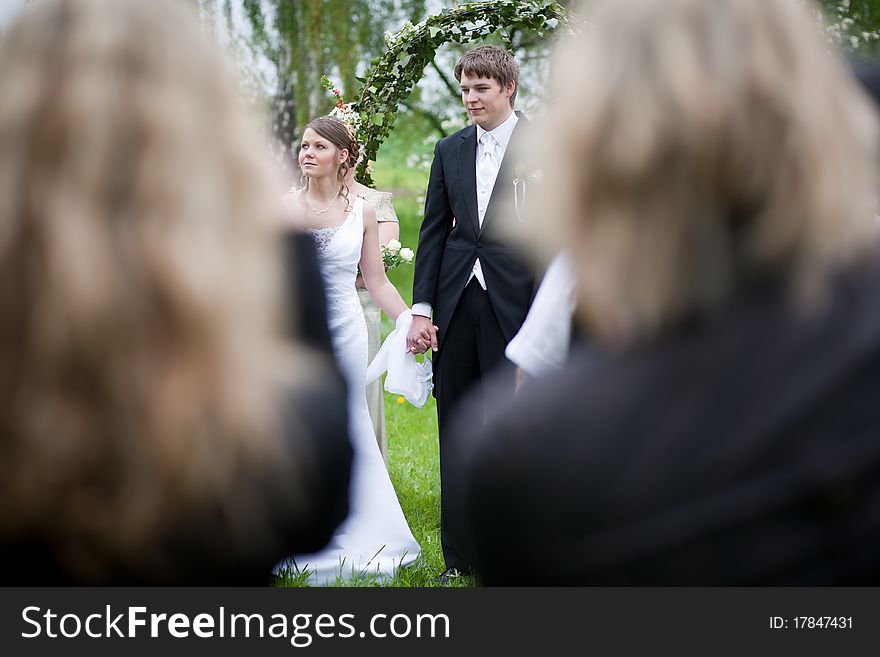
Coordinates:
column 472, row 348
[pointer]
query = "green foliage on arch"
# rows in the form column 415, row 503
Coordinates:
column 393, row 75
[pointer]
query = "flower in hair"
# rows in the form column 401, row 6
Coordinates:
column 343, row 110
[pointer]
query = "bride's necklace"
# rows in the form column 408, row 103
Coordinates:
column 322, row 210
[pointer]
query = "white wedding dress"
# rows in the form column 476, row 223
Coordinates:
column 375, row 538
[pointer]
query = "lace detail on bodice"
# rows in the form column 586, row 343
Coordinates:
column 339, row 253
column 323, row 237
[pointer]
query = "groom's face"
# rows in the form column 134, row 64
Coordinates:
column 487, row 104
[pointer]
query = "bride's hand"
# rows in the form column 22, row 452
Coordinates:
column 422, row 335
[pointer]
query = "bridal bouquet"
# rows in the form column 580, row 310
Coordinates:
column 395, row 254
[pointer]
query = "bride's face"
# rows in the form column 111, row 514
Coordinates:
column 318, row 157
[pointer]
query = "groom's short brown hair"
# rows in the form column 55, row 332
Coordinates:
column 490, row 62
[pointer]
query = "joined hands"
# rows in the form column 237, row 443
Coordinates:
column 422, row 335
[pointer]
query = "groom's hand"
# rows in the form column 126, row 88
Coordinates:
column 422, row 335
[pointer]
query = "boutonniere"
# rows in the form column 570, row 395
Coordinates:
column 523, row 177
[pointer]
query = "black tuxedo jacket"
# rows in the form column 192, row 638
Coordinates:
column 447, row 249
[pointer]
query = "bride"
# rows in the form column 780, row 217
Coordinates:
column 375, row 538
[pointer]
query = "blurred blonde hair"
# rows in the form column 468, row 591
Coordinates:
column 698, row 145
column 139, row 276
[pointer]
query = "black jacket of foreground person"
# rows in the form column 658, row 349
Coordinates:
column 306, row 296
column 744, row 450
column 291, row 505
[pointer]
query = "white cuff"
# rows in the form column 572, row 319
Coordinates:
column 423, row 309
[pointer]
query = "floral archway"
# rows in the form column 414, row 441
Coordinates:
column 392, row 76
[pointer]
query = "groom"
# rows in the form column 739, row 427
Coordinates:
column 476, row 288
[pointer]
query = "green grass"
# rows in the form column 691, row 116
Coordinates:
column 413, row 450
column 404, row 160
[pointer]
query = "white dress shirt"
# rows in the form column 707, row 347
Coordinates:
column 542, row 343
column 491, row 147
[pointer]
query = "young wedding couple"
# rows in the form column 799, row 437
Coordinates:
column 471, row 292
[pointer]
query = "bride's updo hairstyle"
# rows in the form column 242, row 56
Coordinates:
column 342, row 136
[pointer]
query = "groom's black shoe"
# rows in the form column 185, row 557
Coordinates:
column 451, row 574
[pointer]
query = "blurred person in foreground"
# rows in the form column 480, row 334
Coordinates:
column 713, row 172
column 155, row 426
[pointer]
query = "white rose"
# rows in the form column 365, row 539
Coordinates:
column 406, row 255
column 394, row 246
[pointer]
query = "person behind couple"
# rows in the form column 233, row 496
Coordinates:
column 471, row 287
column 389, row 229
column 155, row 425
column 716, row 182
column 375, row 539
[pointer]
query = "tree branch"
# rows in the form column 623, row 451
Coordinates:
column 453, row 90
column 432, row 118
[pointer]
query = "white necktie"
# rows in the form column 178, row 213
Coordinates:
column 488, row 164
column 487, row 171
